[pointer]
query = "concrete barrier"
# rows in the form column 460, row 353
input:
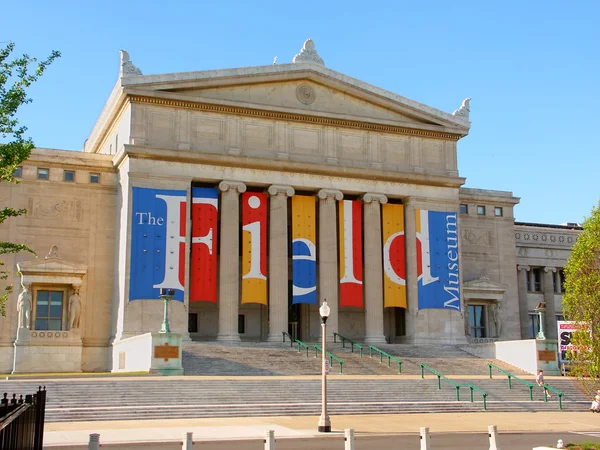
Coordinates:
column 349, row 439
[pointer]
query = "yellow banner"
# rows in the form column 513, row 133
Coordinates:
column 394, row 256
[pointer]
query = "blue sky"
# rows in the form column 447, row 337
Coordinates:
column 532, row 69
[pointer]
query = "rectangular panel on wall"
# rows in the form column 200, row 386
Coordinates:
column 304, row 250
column 350, row 235
column 394, row 256
column 437, row 260
column 254, row 248
column 158, row 220
column 203, row 258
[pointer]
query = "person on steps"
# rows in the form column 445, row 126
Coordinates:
column 596, row 403
column 540, row 381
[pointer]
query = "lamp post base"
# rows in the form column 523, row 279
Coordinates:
column 325, row 429
column 324, row 424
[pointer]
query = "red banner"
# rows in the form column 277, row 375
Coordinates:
column 350, row 235
column 254, row 248
column 203, row 260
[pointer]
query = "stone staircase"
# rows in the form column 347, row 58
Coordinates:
column 91, row 399
column 261, row 358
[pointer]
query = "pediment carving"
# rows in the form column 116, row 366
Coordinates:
column 483, row 288
column 52, row 269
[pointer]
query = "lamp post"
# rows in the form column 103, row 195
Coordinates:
column 324, row 422
column 166, row 295
column 540, row 308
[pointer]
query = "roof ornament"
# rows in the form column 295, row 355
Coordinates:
column 128, row 69
column 275, row 60
column 308, row 54
column 464, row 109
column 53, row 253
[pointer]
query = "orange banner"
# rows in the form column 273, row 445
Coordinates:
column 394, row 256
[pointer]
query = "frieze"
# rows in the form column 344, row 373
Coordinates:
column 477, row 237
column 537, row 238
column 48, row 209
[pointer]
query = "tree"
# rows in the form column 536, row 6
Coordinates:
column 581, row 302
column 16, row 76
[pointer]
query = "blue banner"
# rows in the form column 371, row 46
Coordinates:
column 437, row 263
column 157, row 243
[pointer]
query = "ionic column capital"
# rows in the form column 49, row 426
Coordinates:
column 325, row 194
column 233, row 185
column 525, row 268
column 549, row 269
column 277, row 189
column 370, row 197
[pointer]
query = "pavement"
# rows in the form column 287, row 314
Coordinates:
column 160, row 431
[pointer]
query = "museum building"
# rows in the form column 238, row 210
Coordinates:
column 255, row 194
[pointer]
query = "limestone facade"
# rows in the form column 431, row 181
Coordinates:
column 289, row 129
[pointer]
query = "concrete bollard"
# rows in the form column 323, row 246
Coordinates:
column 94, row 443
column 349, row 439
column 188, row 441
column 493, row 434
column 425, row 439
column 270, row 440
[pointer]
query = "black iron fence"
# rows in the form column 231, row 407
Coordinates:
column 22, row 421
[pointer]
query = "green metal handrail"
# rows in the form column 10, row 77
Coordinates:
column 331, row 357
column 302, row 344
column 387, row 355
column 285, row 333
column 352, row 343
column 528, row 384
column 457, row 386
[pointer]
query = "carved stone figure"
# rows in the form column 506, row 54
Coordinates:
column 24, row 307
column 496, row 313
column 74, row 310
column 467, row 323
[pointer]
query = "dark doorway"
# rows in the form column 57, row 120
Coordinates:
column 400, row 316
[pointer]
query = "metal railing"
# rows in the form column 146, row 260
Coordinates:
column 285, row 333
column 331, row 357
column 531, row 386
column 302, row 344
column 22, row 421
column 389, row 357
column 457, row 386
column 352, row 343
column 297, row 341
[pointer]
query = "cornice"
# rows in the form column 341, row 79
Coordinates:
column 192, row 157
column 289, row 117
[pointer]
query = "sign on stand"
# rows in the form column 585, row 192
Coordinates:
column 565, row 333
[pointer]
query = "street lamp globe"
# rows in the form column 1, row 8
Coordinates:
column 324, row 310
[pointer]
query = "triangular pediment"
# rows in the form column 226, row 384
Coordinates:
column 484, row 289
column 52, row 264
column 297, row 88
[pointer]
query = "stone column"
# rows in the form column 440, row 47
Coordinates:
column 557, row 282
column 523, row 273
column 412, row 292
column 278, row 261
column 373, row 268
column 328, row 255
column 548, row 288
column 229, row 261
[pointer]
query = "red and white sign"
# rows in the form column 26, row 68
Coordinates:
column 565, row 333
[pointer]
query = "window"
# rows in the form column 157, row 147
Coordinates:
column 561, row 275
column 480, row 210
column 94, row 178
column 477, row 321
column 43, row 174
column 498, row 212
column 560, row 317
column 18, row 172
column 49, row 310
column 534, row 280
column 464, row 208
column 534, row 325
column 241, row 323
column 192, row 322
column 68, row 175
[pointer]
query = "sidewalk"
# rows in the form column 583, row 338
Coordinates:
column 168, row 430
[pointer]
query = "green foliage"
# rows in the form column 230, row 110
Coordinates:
column 16, row 76
column 581, row 302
